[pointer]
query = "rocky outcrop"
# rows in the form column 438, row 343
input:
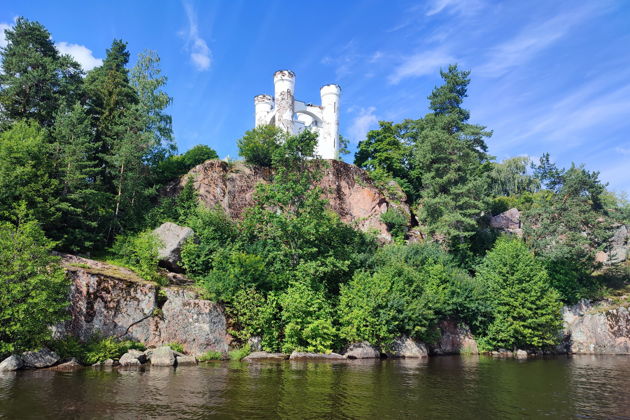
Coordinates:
column 408, row 348
column 363, row 350
column 40, row 358
column 172, row 238
column 602, row 328
column 454, row 339
column 298, row 355
column 617, row 247
column 348, row 189
column 112, row 301
column 509, row 221
column 11, row 363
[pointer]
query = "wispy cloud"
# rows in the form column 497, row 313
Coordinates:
column 623, row 150
column 420, row 64
column 463, row 7
column 531, row 40
column 200, row 54
column 362, row 123
column 3, row 39
column 81, row 54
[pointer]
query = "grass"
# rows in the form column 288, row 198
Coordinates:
column 239, row 354
column 211, row 355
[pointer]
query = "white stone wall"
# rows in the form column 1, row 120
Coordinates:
column 296, row 116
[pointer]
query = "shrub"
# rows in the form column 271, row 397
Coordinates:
column 308, row 321
column 95, row 350
column 396, row 222
column 177, row 165
column 178, row 347
column 140, row 252
column 234, row 270
column 259, row 145
column 211, row 355
column 253, row 314
column 239, row 354
column 526, row 309
column 33, row 287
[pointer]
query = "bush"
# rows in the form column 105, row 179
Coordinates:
column 234, row 270
column 178, row 165
column 211, row 355
column 259, row 145
column 307, row 319
column 95, row 350
column 525, row 308
column 33, row 287
column 178, row 347
column 140, row 252
column 396, row 222
column 239, row 354
column 252, row 314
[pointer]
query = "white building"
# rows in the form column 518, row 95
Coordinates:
column 283, row 111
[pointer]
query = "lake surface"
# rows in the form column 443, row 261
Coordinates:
column 440, row 387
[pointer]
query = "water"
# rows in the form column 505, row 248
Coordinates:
column 441, row 387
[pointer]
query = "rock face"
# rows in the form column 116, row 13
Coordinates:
column 349, row 190
column 509, row 221
column 114, row 302
column 298, row 355
column 363, row 350
column 172, row 238
column 40, row 359
column 408, row 348
column 454, row 339
column 163, row 356
column 596, row 329
column 617, row 249
column 11, row 363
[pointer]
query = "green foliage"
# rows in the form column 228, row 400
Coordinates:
column 239, row 354
column 233, row 270
column 140, row 252
column 175, row 166
column 308, row 320
column 525, row 308
column 254, row 315
column 180, row 209
column 95, row 350
column 510, row 177
column 259, row 145
column 33, row 287
column 396, row 222
column 178, row 347
column 211, row 355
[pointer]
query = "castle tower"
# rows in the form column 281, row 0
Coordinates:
column 263, row 105
column 328, row 144
column 294, row 116
column 284, row 85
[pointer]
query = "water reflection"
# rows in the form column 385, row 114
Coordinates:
column 441, row 387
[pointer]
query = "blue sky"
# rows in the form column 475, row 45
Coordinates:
column 547, row 76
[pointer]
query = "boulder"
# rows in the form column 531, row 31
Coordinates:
column 186, row 360
column 112, row 301
column 163, row 356
column 11, row 363
column 348, row 190
column 454, row 339
column 298, row 355
column 363, row 350
column 509, row 221
column 72, row 364
column 255, row 343
column 132, row 358
column 596, row 328
column 172, row 237
column 40, row 359
column 619, row 246
column 258, row 356
column 408, row 347
column 521, row 354
column 109, row 363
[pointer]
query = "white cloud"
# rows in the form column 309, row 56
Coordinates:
column 463, row 7
column 420, row 64
column 530, row 41
column 200, row 54
column 362, row 123
column 3, row 39
column 81, row 54
column 623, row 150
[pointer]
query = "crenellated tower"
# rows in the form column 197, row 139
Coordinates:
column 293, row 116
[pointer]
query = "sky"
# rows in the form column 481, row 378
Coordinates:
column 545, row 76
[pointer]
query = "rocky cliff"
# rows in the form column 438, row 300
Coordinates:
column 348, row 189
column 597, row 328
column 112, row 301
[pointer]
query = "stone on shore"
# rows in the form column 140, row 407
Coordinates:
column 132, row 358
column 363, row 350
column 408, row 348
column 521, row 354
column 298, row 355
column 40, row 359
column 186, row 360
column 71, row 364
column 259, row 356
column 11, row 363
column 163, row 356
